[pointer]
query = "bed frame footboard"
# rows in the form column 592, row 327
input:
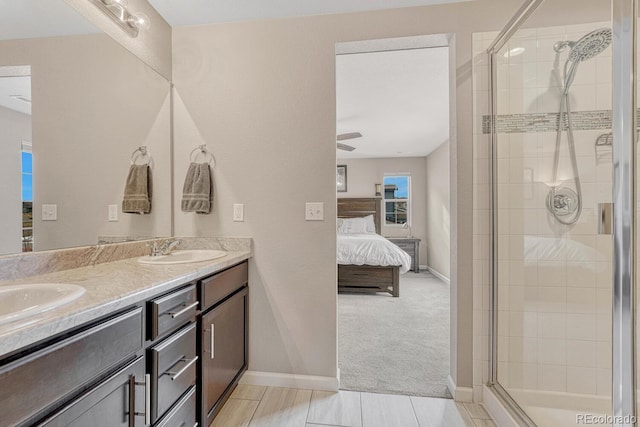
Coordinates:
column 369, row 279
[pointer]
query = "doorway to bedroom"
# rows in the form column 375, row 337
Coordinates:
column 392, row 135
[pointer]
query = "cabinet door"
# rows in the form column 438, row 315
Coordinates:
column 109, row 403
column 30, row 385
column 223, row 348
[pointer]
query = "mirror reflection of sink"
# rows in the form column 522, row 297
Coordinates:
column 183, row 257
column 20, row 301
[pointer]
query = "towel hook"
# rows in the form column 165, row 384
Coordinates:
column 203, row 150
column 141, row 152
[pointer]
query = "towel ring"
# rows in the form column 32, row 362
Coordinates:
column 202, row 149
column 141, row 152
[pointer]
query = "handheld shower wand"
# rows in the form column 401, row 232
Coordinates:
column 564, row 203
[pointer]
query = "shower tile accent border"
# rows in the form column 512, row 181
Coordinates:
column 35, row 263
column 547, row 122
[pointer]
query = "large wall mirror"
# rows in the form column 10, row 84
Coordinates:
column 74, row 106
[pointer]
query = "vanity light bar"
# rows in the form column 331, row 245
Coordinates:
column 117, row 10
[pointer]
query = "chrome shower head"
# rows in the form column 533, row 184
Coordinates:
column 589, row 46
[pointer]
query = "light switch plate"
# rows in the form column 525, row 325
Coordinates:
column 49, row 212
column 113, row 212
column 238, row 212
column 314, row 211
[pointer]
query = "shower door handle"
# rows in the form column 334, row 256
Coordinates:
column 605, row 215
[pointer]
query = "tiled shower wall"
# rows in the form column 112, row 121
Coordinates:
column 554, row 281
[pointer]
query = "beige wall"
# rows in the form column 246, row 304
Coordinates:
column 437, row 210
column 93, row 104
column 262, row 94
column 15, row 127
column 152, row 46
column 362, row 174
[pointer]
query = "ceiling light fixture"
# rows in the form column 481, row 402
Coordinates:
column 117, row 10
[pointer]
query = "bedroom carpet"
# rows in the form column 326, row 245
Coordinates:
column 396, row 345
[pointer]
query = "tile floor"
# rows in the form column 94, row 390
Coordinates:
column 257, row 406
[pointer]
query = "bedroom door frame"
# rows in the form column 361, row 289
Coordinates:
column 460, row 214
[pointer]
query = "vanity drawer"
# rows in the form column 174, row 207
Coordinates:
column 34, row 382
column 173, row 369
column 219, row 286
column 371, row 274
column 171, row 311
column 183, row 414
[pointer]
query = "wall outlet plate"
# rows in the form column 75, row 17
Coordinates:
column 238, row 212
column 49, row 212
column 314, row 211
column 113, row 212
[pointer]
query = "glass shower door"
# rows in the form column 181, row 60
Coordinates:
column 562, row 283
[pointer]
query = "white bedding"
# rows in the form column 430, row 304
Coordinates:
column 371, row 249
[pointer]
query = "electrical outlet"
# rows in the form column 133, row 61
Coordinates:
column 314, row 211
column 113, row 212
column 49, row 212
column 238, row 212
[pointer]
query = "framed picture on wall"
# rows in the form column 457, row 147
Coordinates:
column 341, row 178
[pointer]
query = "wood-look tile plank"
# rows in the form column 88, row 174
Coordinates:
column 432, row 412
column 464, row 414
column 282, row 407
column 476, row 410
column 248, row 392
column 335, row 409
column 235, row 413
column 387, row 410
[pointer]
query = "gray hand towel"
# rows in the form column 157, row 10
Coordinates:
column 197, row 192
column 137, row 190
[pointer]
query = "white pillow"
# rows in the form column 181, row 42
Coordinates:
column 370, row 224
column 353, row 226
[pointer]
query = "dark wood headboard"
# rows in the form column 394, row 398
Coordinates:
column 359, row 207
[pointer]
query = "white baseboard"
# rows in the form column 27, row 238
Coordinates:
column 460, row 394
column 274, row 379
column 439, row 275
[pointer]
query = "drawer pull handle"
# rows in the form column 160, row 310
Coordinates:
column 175, row 375
column 175, row 314
column 147, row 400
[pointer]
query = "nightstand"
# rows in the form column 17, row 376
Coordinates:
column 410, row 245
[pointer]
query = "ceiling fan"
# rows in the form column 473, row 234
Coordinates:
column 346, row 136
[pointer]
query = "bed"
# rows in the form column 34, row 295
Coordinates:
column 367, row 262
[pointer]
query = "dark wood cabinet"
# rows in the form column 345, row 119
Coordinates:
column 118, row 401
column 223, row 329
column 160, row 362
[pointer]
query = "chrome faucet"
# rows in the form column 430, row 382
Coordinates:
column 168, row 246
column 154, row 249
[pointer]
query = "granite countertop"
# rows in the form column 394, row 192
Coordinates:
column 109, row 287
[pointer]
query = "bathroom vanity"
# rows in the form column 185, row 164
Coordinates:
column 164, row 354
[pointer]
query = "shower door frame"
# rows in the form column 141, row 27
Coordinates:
column 624, row 21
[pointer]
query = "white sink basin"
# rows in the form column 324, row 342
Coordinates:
column 183, row 257
column 20, row 301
